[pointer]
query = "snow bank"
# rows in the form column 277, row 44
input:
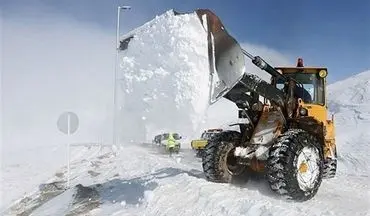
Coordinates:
column 349, row 101
column 165, row 77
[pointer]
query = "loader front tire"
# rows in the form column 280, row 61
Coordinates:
column 218, row 161
column 295, row 165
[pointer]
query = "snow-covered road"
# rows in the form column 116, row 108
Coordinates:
column 141, row 180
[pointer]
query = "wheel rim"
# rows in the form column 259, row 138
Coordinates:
column 231, row 164
column 308, row 169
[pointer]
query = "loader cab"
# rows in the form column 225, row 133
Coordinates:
column 311, row 88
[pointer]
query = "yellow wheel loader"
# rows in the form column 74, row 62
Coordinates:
column 287, row 136
column 283, row 131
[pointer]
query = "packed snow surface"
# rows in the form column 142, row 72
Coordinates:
column 141, row 180
column 165, row 73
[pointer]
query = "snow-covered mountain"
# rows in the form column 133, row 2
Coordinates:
column 349, row 101
column 137, row 179
column 351, row 91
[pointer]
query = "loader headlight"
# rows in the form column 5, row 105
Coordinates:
column 323, row 73
column 303, row 111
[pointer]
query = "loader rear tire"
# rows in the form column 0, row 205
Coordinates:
column 330, row 168
column 295, row 165
column 219, row 163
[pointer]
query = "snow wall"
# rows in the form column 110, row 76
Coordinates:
column 164, row 78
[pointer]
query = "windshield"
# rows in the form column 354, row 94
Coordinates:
column 165, row 136
column 176, row 136
column 313, row 87
column 207, row 135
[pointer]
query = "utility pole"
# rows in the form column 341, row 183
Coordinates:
column 116, row 72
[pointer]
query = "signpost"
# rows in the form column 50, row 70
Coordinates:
column 68, row 124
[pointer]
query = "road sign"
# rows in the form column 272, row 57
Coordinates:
column 68, row 123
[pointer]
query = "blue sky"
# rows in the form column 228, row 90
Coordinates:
column 324, row 33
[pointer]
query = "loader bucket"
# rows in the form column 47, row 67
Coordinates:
column 226, row 59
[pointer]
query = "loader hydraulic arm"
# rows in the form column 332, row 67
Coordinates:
column 259, row 62
column 285, row 99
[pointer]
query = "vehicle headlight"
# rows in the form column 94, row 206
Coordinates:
column 323, row 73
column 303, row 111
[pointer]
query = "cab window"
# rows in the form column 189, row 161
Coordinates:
column 313, row 87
